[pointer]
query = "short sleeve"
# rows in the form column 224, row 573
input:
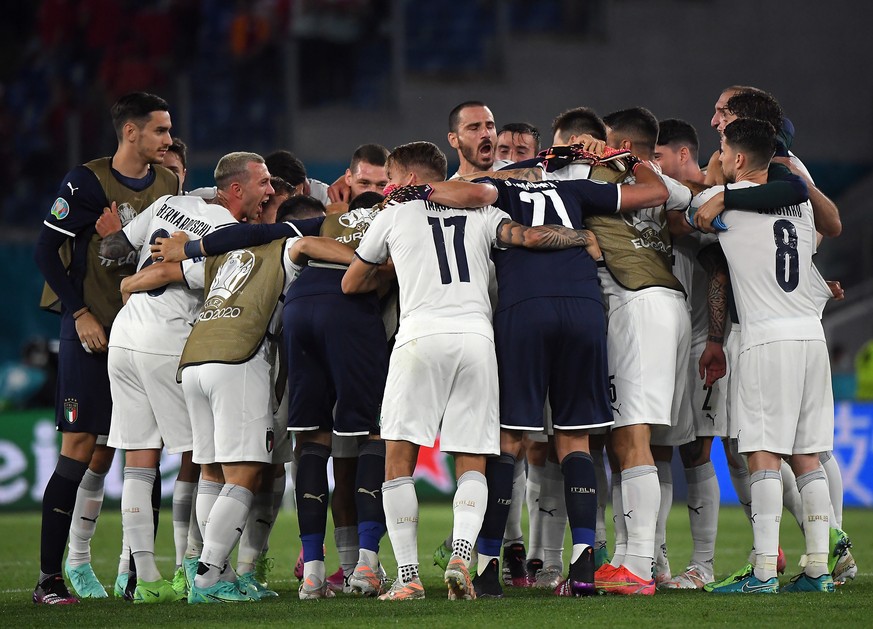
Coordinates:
column 194, row 272
column 374, row 245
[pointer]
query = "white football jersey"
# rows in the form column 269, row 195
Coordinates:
column 159, row 321
column 777, row 289
column 442, row 259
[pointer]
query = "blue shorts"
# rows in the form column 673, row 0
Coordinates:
column 337, row 354
column 83, row 402
column 553, row 347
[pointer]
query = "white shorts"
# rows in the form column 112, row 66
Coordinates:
column 707, row 404
column 447, row 380
column 230, row 412
column 648, row 344
column 148, row 406
column 729, row 383
column 785, row 401
column 283, row 452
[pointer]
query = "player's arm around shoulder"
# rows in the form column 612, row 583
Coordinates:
column 512, row 234
column 648, row 191
column 320, row 248
column 151, row 277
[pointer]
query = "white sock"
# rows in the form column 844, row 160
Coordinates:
column 534, row 517
column 223, row 529
column 619, row 523
column 468, row 507
column 259, row 523
column 740, row 481
column 665, row 482
column 602, row 493
column 790, row 495
column 835, row 486
column 553, row 508
column 703, row 507
column 183, row 503
column 195, row 539
column 641, row 496
column 124, row 557
column 346, row 540
column 89, row 501
column 207, row 493
column 401, row 518
column 813, row 488
column 766, row 489
column 137, row 520
column 513, row 533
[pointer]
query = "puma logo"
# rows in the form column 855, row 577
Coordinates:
column 550, row 512
column 372, row 494
column 754, row 515
column 314, row 497
column 695, row 509
column 628, row 514
column 239, row 529
column 94, row 520
column 617, row 409
column 72, row 189
column 62, row 512
column 711, row 418
column 264, row 522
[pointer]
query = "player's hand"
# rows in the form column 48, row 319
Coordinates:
column 707, row 212
column 91, row 333
column 712, row 364
column 593, row 247
column 109, row 222
column 339, row 190
column 591, row 144
column 170, row 249
column 836, row 289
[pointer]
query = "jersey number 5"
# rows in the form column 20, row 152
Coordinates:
column 787, row 260
column 437, row 226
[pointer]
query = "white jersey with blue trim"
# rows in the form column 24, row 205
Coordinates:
column 442, row 260
column 159, row 321
column 778, row 291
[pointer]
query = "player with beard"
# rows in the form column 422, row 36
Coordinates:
column 473, row 134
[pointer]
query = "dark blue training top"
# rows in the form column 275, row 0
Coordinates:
column 526, row 274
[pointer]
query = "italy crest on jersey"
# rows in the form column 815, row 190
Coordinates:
column 71, row 410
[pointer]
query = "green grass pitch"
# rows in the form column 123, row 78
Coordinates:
column 850, row 606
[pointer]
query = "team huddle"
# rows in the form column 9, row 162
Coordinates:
column 543, row 315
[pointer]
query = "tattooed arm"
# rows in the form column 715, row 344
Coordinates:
column 512, row 234
column 712, row 364
column 115, row 246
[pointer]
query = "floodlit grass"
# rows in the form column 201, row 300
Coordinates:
column 850, row 606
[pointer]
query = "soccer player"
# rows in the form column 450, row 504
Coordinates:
column 700, row 266
column 366, row 173
column 149, row 409
column 86, row 287
column 443, row 372
column 337, row 356
column 473, row 134
column 516, row 141
column 780, row 309
column 545, row 320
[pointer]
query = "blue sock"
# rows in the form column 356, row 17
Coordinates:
column 580, row 493
column 499, row 473
column 368, row 494
column 312, row 499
